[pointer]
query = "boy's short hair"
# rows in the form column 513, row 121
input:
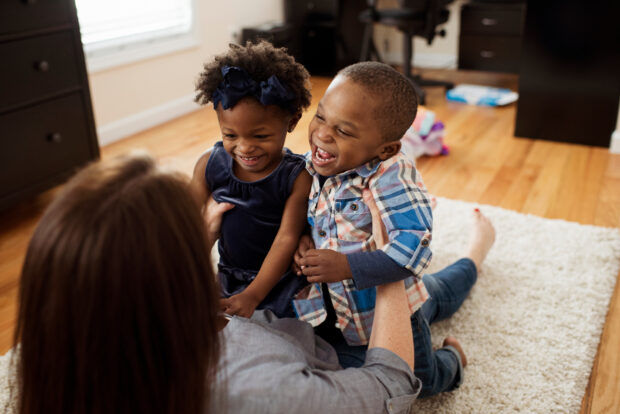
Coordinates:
column 260, row 60
column 397, row 101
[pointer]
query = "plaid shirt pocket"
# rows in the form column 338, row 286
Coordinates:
column 353, row 220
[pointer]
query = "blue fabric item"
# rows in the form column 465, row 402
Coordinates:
column 439, row 370
column 374, row 268
column 248, row 230
column 238, row 84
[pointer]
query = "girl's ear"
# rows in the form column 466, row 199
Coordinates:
column 389, row 149
column 293, row 122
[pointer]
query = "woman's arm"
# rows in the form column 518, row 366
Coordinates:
column 198, row 185
column 212, row 211
column 391, row 327
column 280, row 254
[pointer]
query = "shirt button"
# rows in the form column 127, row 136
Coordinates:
column 424, row 242
column 322, row 233
column 315, row 195
column 354, row 207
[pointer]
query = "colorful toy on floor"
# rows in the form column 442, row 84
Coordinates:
column 481, row 95
column 425, row 136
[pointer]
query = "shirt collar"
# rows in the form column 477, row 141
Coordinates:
column 364, row 170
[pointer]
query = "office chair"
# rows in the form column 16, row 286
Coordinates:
column 414, row 18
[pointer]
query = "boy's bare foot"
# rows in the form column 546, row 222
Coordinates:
column 481, row 240
column 450, row 340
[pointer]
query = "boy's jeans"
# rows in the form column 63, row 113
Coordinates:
column 439, row 370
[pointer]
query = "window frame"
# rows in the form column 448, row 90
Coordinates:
column 107, row 57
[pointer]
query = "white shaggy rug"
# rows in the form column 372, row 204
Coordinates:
column 532, row 324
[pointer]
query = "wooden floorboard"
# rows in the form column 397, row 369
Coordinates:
column 487, row 164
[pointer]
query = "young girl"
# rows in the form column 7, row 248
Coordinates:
column 259, row 93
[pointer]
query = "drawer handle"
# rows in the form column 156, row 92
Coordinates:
column 42, row 66
column 487, row 21
column 487, row 54
column 54, row 137
column 30, row 1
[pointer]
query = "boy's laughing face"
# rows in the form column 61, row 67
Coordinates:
column 345, row 132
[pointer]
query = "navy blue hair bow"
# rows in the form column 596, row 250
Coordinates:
column 238, row 84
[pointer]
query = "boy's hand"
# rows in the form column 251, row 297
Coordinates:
column 305, row 243
column 240, row 305
column 325, row 265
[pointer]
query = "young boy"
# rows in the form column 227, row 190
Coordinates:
column 355, row 144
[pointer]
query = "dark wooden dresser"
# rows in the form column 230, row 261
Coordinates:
column 329, row 33
column 569, row 83
column 490, row 37
column 46, row 122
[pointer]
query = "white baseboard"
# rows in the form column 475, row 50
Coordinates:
column 423, row 60
column 132, row 124
column 614, row 147
column 435, row 61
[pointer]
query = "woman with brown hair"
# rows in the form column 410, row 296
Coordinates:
column 118, row 313
column 117, row 302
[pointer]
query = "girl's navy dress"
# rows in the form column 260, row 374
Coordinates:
column 248, row 230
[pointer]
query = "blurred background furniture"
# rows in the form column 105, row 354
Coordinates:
column 46, row 121
column 490, row 36
column 323, row 35
column 329, row 33
column 413, row 18
column 569, row 81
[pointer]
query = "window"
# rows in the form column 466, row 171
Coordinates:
column 120, row 31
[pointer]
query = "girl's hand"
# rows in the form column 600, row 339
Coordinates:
column 241, row 305
column 329, row 266
column 305, row 243
column 213, row 212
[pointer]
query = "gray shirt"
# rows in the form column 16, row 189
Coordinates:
column 279, row 366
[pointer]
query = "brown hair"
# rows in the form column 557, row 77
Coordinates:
column 397, row 101
column 117, row 299
column 260, row 60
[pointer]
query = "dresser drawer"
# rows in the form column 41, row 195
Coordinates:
column 41, row 142
column 499, row 53
column 24, row 15
column 39, row 66
column 492, row 20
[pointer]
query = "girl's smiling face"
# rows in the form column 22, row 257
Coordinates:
column 254, row 136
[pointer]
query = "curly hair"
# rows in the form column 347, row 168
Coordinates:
column 260, row 60
column 397, row 101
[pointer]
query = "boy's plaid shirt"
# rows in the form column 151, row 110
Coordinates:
column 341, row 221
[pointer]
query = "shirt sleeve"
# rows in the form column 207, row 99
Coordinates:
column 384, row 384
column 406, row 212
column 371, row 269
column 274, row 366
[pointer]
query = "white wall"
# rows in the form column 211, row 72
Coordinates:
column 134, row 97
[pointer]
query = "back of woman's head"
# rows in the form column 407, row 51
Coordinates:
column 117, row 307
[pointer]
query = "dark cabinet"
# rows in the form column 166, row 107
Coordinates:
column 329, row 33
column 490, row 37
column 569, row 83
column 46, row 122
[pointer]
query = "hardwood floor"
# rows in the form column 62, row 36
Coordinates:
column 487, row 164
